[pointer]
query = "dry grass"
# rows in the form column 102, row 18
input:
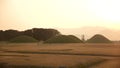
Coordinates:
column 55, row 55
column 93, row 49
column 113, row 63
column 48, row 60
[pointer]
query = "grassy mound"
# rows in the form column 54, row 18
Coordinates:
column 23, row 39
column 64, row 39
column 98, row 39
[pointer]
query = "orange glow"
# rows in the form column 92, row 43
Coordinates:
column 24, row 14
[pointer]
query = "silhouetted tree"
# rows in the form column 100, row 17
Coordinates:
column 28, row 32
column 44, row 34
column 2, row 37
column 9, row 34
column 41, row 34
column 37, row 33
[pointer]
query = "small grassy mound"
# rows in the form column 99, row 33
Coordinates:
column 64, row 39
column 23, row 39
column 98, row 39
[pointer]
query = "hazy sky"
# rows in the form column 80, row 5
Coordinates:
column 26, row 14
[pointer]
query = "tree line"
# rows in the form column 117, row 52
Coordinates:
column 40, row 34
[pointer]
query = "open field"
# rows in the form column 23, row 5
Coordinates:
column 74, row 55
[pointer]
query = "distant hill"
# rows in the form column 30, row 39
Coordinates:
column 112, row 34
column 98, row 39
column 64, row 39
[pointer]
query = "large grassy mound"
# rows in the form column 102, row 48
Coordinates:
column 98, row 39
column 23, row 39
column 64, row 39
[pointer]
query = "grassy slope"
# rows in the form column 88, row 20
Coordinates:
column 64, row 39
column 23, row 39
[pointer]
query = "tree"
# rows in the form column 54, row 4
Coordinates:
column 41, row 34
column 9, row 34
column 37, row 33
column 44, row 34
column 2, row 37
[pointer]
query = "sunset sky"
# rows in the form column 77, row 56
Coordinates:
column 67, row 14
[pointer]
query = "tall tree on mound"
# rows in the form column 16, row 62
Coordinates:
column 98, row 39
column 41, row 34
column 9, row 34
column 64, row 39
column 23, row 39
column 2, row 36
